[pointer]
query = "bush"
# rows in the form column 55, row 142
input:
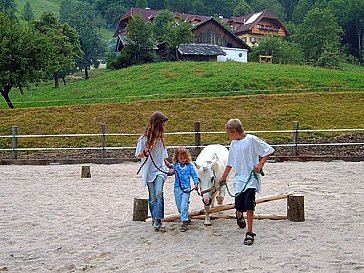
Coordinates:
column 129, row 57
column 282, row 51
column 329, row 59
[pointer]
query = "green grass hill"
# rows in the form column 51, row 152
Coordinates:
column 263, row 96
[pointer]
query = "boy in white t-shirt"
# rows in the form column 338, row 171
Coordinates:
column 247, row 156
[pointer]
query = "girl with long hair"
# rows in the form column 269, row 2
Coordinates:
column 152, row 144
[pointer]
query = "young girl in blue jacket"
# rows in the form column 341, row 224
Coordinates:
column 183, row 170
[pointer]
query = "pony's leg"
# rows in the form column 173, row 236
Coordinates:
column 220, row 198
column 207, row 216
column 213, row 199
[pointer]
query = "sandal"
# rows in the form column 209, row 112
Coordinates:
column 184, row 228
column 240, row 220
column 249, row 238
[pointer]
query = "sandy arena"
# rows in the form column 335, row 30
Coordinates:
column 54, row 221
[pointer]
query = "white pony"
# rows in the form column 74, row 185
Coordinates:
column 210, row 164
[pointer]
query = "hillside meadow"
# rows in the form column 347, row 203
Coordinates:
column 262, row 96
column 170, row 80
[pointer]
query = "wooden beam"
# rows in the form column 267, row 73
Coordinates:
column 256, row 216
column 264, row 199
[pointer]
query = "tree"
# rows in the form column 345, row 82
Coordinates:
column 24, row 56
column 282, row 51
column 9, row 8
column 141, row 3
column 27, row 13
column 178, row 33
column 350, row 16
column 273, row 5
column 112, row 14
column 160, row 24
column 81, row 17
column 315, row 40
column 139, row 48
column 300, row 10
column 288, row 7
column 140, row 39
column 65, row 45
column 242, row 8
column 156, row 4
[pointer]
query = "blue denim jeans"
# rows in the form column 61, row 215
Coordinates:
column 182, row 202
column 156, row 198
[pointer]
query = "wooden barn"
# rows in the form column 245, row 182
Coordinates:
column 213, row 33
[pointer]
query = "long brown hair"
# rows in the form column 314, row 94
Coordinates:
column 182, row 152
column 155, row 130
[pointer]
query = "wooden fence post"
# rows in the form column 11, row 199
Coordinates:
column 295, row 208
column 103, row 140
column 296, row 125
column 140, row 211
column 197, row 138
column 85, row 172
column 14, row 141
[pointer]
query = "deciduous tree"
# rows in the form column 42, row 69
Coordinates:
column 24, row 56
column 27, row 13
column 319, row 32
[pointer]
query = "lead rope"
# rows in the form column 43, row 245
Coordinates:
column 252, row 174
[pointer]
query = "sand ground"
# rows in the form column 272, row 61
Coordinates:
column 51, row 220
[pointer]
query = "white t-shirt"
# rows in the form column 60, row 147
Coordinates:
column 244, row 155
column 159, row 153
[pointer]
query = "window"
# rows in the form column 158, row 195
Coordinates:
column 252, row 39
column 229, row 45
column 243, row 39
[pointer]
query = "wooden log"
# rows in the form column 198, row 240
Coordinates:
column 174, row 217
column 85, row 172
column 256, row 216
column 140, row 210
column 295, row 208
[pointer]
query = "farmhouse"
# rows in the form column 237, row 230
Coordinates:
column 235, row 42
column 252, row 28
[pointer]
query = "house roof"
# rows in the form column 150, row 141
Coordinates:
column 200, row 49
column 238, row 40
column 150, row 14
column 249, row 21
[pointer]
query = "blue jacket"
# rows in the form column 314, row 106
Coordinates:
column 185, row 172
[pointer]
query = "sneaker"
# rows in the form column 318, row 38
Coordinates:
column 158, row 226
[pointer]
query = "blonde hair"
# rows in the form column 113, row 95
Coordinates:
column 234, row 125
column 182, row 152
column 155, row 130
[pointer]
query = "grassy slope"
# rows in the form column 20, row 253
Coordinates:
column 191, row 79
column 315, row 110
column 40, row 6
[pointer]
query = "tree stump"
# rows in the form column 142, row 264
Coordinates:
column 85, row 172
column 295, row 208
column 140, row 211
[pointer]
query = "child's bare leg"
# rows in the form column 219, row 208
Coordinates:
column 250, row 215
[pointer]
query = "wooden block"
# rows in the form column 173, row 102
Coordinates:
column 86, row 172
column 140, row 211
column 295, row 208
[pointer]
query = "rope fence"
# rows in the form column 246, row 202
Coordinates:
column 196, row 133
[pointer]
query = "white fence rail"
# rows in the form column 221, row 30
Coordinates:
column 197, row 134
